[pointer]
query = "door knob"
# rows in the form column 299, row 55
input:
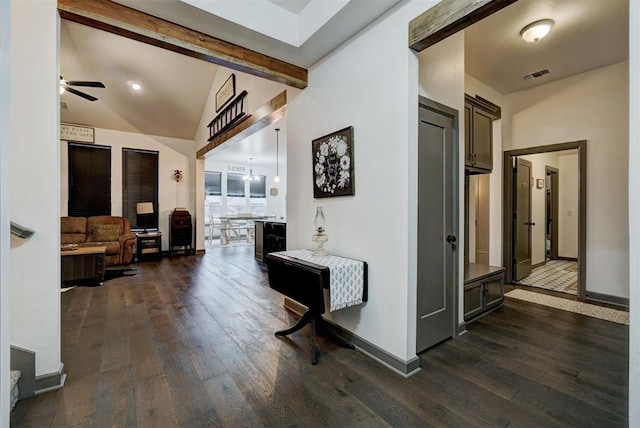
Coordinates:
column 529, row 224
column 451, row 239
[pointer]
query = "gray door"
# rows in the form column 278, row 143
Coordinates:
column 437, row 228
column 522, row 218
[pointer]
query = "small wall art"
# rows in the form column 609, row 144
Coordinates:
column 333, row 165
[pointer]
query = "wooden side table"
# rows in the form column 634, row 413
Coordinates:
column 148, row 246
column 82, row 264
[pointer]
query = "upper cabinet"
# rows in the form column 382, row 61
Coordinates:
column 479, row 115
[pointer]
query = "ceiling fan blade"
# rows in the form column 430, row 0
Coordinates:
column 81, row 94
column 85, row 83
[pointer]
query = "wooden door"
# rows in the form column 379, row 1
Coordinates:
column 437, row 228
column 522, row 219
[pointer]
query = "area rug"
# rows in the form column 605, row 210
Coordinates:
column 607, row 314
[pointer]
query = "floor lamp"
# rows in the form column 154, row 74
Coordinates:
column 144, row 209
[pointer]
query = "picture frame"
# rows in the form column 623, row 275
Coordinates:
column 226, row 92
column 333, row 164
column 540, row 183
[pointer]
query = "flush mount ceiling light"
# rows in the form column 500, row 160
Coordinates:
column 536, row 30
column 135, row 86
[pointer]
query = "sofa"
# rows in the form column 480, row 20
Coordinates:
column 104, row 230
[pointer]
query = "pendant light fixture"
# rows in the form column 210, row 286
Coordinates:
column 251, row 176
column 276, row 179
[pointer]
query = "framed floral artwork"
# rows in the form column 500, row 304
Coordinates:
column 333, row 164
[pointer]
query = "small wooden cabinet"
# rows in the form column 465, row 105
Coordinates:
column 149, row 246
column 479, row 115
column 483, row 289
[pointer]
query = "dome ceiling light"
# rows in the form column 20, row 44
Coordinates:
column 536, row 30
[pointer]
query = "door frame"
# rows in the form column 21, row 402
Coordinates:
column 507, row 246
column 455, row 208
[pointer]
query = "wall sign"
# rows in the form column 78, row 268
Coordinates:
column 236, row 168
column 226, row 92
column 81, row 134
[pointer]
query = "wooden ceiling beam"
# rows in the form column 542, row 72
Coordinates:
column 447, row 18
column 133, row 24
column 269, row 113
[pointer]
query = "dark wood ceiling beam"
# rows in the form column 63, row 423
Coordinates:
column 124, row 21
column 269, row 113
column 447, row 18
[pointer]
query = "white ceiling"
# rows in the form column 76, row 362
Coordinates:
column 336, row 29
column 174, row 91
column 587, row 34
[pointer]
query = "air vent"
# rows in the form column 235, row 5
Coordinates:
column 537, row 74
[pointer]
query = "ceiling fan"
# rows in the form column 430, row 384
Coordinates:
column 65, row 86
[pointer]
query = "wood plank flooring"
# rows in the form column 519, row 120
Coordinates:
column 188, row 342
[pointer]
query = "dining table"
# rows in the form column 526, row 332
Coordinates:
column 232, row 226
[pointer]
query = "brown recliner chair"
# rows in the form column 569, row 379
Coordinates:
column 105, row 230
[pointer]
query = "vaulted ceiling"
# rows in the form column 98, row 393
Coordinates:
column 587, row 34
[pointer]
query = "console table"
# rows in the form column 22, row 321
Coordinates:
column 302, row 277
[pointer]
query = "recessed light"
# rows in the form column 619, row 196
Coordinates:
column 536, row 30
column 136, row 86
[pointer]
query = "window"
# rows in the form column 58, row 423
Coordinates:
column 89, row 180
column 213, row 183
column 258, row 195
column 235, row 185
column 258, row 186
column 139, row 184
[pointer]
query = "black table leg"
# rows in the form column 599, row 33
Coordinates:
column 317, row 324
column 306, row 318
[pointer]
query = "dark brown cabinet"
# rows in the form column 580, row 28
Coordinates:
column 479, row 115
column 180, row 232
column 483, row 289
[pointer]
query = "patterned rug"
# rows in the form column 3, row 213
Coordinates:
column 555, row 275
column 607, row 314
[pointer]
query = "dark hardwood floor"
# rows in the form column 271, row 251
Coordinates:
column 189, row 342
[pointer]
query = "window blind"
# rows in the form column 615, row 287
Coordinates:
column 139, row 184
column 235, row 185
column 89, row 180
column 258, row 188
column 213, row 183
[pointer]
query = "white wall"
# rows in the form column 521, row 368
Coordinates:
column 568, row 206
column 259, row 92
column 173, row 154
column 35, row 166
column 5, row 141
column 377, row 223
column 592, row 106
column 634, row 208
column 276, row 205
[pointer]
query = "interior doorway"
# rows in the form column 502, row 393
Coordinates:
column 552, row 178
column 545, row 222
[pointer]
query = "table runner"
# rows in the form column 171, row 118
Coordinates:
column 346, row 277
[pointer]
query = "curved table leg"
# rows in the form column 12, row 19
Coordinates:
column 306, row 318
